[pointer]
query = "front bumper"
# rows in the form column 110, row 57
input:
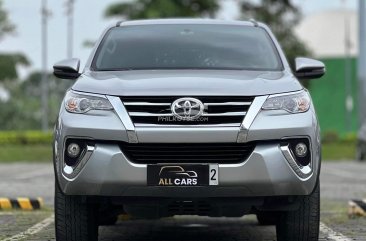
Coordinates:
column 267, row 171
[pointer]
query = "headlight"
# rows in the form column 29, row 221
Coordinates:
column 80, row 103
column 293, row 103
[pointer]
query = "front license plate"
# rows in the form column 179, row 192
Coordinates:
column 183, row 175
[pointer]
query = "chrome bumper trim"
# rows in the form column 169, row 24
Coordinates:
column 125, row 118
column 303, row 172
column 253, row 111
column 71, row 172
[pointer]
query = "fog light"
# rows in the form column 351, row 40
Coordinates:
column 301, row 150
column 73, row 150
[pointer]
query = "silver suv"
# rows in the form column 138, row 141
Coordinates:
column 187, row 117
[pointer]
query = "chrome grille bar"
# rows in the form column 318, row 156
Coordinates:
column 226, row 114
column 148, row 114
column 207, row 125
column 204, row 114
column 146, row 103
column 228, row 103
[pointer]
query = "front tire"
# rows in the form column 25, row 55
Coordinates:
column 75, row 218
column 360, row 152
column 302, row 224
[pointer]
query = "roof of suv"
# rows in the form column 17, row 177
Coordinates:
column 186, row 21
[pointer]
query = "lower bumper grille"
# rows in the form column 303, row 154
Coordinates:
column 221, row 153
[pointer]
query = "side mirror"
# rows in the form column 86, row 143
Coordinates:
column 309, row 68
column 67, row 69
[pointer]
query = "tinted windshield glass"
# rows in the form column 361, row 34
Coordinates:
column 191, row 46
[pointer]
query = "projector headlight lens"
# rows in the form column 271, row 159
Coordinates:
column 82, row 103
column 292, row 103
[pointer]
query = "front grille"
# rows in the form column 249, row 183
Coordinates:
column 156, row 110
column 221, row 153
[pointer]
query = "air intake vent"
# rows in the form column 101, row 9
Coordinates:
column 156, row 110
column 153, row 153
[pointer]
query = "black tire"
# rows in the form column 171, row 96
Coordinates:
column 360, row 153
column 108, row 221
column 267, row 218
column 302, row 224
column 75, row 218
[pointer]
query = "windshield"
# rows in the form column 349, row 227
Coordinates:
column 186, row 46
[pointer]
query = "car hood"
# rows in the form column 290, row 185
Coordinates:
column 186, row 83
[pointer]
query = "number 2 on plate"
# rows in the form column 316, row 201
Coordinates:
column 214, row 175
